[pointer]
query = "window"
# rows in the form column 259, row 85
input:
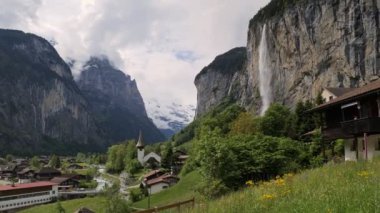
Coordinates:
column 377, row 145
column 330, row 98
column 354, row 145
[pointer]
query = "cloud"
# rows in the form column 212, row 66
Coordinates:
column 163, row 44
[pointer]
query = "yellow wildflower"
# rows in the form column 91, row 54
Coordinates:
column 280, row 182
column 364, row 174
column 268, row 197
column 249, row 183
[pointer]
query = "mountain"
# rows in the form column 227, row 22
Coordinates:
column 170, row 118
column 116, row 102
column 310, row 44
column 41, row 108
column 224, row 77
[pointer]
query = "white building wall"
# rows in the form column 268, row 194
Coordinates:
column 348, row 154
column 326, row 95
column 46, row 197
column 373, row 149
column 158, row 187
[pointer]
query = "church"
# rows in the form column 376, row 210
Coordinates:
column 151, row 160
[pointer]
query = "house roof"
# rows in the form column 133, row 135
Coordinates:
column 151, row 173
column 155, row 181
column 84, row 210
column 162, row 179
column 339, row 91
column 27, row 185
column 47, row 170
column 351, row 95
column 8, row 167
column 25, row 170
column 61, row 179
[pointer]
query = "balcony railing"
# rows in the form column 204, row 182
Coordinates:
column 360, row 126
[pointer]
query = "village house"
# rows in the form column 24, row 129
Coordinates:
column 47, row 173
column 74, row 166
column 66, row 183
column 159, row 183
column 26, row 175
column 8, row 171
column 354, row 117
column 13, row 197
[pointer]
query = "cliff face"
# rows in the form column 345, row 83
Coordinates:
column 116, row 102
column 225, row 77
column 315, row 44
column 311, row 44
column 41, row 108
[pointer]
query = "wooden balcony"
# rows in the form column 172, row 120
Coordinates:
column 361, row 126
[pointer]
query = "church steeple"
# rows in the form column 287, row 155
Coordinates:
column 140, row 142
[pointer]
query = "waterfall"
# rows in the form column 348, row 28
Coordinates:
column 265, row 73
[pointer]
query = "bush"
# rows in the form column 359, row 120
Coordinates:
column 135, row 195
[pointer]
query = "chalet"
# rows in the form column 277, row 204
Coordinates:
column 8, row 171
column 74, row 166
column 65, row 183
column 26, row 175
column 47, row 173
column 330, row 93
column 354, row 117
column 19, row 196
column 153, row 174
column 160, row 183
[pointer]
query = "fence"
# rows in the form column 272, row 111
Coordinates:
column 171, row 206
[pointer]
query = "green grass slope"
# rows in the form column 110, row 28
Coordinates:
column 183, row 190
column 97, row 204
column 346, row 187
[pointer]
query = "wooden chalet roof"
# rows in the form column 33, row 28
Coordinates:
column 339, row 91
column 352, row 95
column 62, row 179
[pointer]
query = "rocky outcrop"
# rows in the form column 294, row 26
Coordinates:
column 41, row 108
column 224, row 78
column 311, row 44
column 116, row 102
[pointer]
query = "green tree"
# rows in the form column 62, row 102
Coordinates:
column 9, row 158
column 55, row 162
column 81, row 157
column 35, row 163
column 167, row 155
column 245, row 123
column 278, row 121
column 305, row 121
column 133, row 166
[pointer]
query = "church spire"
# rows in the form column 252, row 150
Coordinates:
column 140, row 142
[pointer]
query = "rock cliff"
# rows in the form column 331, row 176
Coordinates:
column 225, row 77
column 41, row 108
column 311, row 44
column 116, row 102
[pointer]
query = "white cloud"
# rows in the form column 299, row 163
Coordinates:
column 163, row 44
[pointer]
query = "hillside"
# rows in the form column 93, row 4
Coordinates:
column 346, row 187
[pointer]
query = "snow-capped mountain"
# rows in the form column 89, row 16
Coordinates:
column 170, row 118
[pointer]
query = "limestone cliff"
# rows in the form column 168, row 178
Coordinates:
column 225, row 77
column 41, row 108
column 116, row 102
column 311, row 44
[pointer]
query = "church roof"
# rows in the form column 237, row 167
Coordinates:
column 140, row 142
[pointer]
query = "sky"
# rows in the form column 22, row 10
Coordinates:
column 162, row 44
